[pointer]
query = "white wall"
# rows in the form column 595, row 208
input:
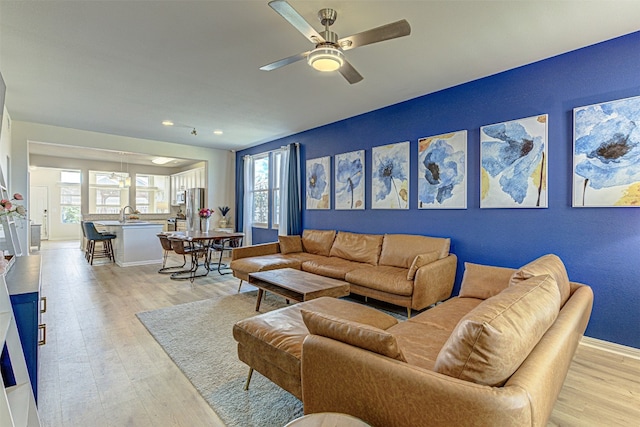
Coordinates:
column 5, row 142
column 220, row 163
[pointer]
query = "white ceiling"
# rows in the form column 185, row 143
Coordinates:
column 122, row 67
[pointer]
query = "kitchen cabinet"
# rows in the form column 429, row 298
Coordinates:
column 194, row 178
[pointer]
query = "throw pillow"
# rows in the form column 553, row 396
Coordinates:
column 353, row 333
column 421, row 260
column 484, row 281
column 547, row 264
column 290, row 244
column 490, row 343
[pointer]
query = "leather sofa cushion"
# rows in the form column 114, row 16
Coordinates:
column 484, row 281
column 353, row 333
column 399, row 250
column 336, row 268
column 264, row 263
column 357, row 247
column 318, row 241
column 422, row 336
column 491, row 341
column 382, row 278
column 290, row 244
column 547, row 264
column 421, row 260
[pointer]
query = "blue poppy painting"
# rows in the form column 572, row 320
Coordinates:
column 390, row 176
column 513, row 157
column 318, row 183
column 442, row 171
column 606, row 157
column 349, row 180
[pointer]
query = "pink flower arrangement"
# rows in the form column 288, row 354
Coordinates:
column 10, row 209
column 205, row 213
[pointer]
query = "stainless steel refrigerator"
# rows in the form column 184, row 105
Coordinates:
column 194, row 200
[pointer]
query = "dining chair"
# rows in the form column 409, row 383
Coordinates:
column 94, row 236
column 167, row 248
column 223, row 245
column 185, row 247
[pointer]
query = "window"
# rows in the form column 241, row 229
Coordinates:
column 261, row 191
column 70, row 197
column 275, row 186
column 107, row 195
column 152, row 193
column 266, row 190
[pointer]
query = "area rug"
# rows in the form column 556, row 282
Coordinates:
column 198, row 338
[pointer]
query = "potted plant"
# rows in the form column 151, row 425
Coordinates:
column 224, row 210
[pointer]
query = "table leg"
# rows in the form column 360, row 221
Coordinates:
column 259, row 300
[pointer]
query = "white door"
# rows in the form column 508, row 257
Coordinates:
column 39, row 208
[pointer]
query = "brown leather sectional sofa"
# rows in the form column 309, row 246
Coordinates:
column 496, row 355
column 407, row 270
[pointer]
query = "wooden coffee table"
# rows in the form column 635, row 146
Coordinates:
column 297, row 285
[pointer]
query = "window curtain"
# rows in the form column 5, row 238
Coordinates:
column 247, row 213
column 290, row 212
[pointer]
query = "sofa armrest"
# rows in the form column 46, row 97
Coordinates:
column 255, row 250
column 337, row 377
column 434, row 282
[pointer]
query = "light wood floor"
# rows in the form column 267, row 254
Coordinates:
column 100, row 366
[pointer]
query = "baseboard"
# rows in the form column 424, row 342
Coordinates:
column 611, row 347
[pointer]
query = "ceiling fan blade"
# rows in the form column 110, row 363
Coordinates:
column 385, row 32
column 285, row 61
column 287, row 11
column 350, row 73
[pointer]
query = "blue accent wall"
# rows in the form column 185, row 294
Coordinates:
column 599, row 246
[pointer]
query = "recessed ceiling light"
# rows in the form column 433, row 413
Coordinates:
column 162, row 160
column 167, row 123
column 218, row 132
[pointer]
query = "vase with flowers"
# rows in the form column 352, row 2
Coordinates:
column 12, row 210
column 205, row 215
column 224, row 210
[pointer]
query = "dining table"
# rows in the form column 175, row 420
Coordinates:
column 202, row 242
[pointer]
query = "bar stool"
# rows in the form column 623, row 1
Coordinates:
column 167, row 248
column 94, row 236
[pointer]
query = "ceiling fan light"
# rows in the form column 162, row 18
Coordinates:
column 326, row 58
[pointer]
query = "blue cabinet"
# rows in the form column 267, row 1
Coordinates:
column 23, row 283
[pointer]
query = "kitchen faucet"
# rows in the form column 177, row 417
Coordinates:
column 123, row 218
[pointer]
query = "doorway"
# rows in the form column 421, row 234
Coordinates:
column 39, row 209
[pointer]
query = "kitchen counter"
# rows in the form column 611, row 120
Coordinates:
column 136, row 242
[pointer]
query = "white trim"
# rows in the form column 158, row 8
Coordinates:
column 611, row 347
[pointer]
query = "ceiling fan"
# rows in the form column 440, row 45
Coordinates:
column 328, row 55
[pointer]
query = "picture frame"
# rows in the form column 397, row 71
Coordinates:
column 390, row 176
column 442, row 171
column 513, row 163
column 349, row 180
column 606, row 154
column 318, row 183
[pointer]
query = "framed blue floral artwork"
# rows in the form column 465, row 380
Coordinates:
column 349, row 180
column 513, row 159
column 319, row 183
column 442, row 171
column 390, row 176
column 606, row 154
